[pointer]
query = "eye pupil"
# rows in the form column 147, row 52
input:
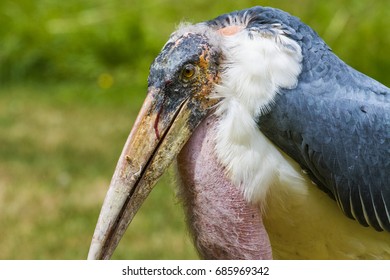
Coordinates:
column 188, row 71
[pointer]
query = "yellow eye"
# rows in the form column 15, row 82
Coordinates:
column 188, row 72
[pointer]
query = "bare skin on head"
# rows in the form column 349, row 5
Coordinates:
column 230, row 30
column 223, row 224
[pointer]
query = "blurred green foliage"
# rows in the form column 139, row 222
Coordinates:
column 72, row 40
column 72, row 78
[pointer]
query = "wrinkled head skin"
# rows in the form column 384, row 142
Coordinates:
column 180, row 86
column 185, row 72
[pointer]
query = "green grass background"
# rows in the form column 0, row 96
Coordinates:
column 72, row 78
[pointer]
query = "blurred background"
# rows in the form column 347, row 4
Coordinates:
column 72, row 79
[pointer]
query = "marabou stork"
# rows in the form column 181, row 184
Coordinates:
column 274, row 137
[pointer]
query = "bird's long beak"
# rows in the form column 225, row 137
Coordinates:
column 156, row 138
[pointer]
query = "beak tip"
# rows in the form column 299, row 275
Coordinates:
column 94, row 251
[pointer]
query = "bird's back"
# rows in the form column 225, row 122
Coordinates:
column 336, row 125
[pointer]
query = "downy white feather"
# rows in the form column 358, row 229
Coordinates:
column 255, row 67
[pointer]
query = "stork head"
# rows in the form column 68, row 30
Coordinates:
column 181, row 81
column 184, row 86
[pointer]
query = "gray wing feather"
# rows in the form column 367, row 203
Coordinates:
column 343, row 143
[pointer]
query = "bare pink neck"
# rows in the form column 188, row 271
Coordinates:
column 223, row 224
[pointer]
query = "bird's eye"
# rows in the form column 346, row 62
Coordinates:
column 188, row 72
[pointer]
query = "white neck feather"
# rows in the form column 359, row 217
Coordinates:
column 255, row 66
